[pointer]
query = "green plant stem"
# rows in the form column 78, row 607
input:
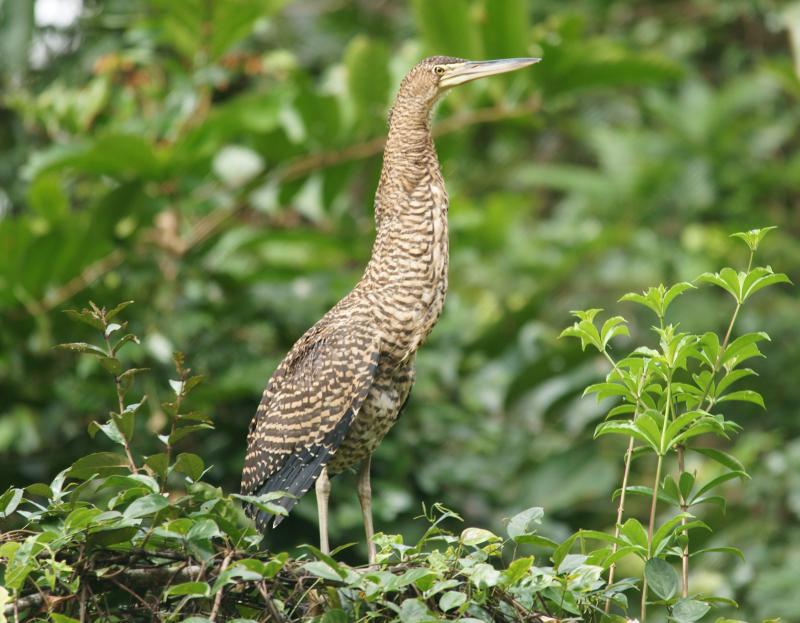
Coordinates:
column 681, row 449
column 121, row 403
column 684, row 509
column 168, row 450
column 654, row 499
column 620, row 512
column 625, row 474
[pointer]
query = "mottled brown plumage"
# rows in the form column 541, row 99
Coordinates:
column 342, row 386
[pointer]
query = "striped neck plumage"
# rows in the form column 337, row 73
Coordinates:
column 409, row 156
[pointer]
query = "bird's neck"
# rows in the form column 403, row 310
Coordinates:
column 409, row 159
column 410, row 208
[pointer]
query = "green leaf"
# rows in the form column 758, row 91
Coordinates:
column 183, row 431
column 323, row 570
column 144, row 506
column 80, row 518
column 679, row 423
column 129, row 337
column 203, row 530
column 451, row 600
column 106, row 537
column 721, row 457
column 753, row 237
column 661, row 578
column 562, row 550
column 715, row 482
column 194, row 589
column 630, row 429
column 633, row 531
column 689, row 611
column 9, row 502
column 733, row 349
column 731, row 377
column 158, row 463
column 726, row 279
column 189, row 464
column 100, row 463
column 477, row 536
column 517, row 570
column 521, row 523
column 665, row 531
column 602, row 536
column 744, row 395
column 85, row 316
column 759, row 278
column 109, row 429
column 264, row 502
column 84, row 348
column 115, row 311
column 719, row 550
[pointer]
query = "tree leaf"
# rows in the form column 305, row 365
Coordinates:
column 522, row 523
column 85, row 348
column 192, row 589
column 100, row 463
column 189, row 464
column 661, row 578
column 144, row 506
column 689, row 610
column 744, row 395
column 451, row 600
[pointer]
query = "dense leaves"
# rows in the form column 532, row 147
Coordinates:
column 215, row 161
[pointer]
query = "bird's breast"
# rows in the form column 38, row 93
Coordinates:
column 410, row 299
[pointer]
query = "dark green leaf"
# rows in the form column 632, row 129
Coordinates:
column 661, row 578
column 144, row 506
column 100, row 463
column 689, row 611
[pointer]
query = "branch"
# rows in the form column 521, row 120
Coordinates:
column 209, row 224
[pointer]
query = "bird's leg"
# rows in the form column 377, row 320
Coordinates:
column 365, row 497
column 323, row 489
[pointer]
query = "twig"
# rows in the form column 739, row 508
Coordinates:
column 269, row 606
column 134, row 594
column 208, row 225
column 87, row 277
column 218, row 599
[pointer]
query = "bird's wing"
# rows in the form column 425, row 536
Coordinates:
column 306, row 412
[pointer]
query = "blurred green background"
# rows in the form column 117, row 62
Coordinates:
column 215, row 161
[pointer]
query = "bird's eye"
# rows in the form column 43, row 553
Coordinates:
column 438, row 70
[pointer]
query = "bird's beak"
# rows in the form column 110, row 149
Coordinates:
column 472, row 70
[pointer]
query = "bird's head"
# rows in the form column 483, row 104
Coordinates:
column 432, row 77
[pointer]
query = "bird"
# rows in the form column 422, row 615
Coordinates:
column 343, row 384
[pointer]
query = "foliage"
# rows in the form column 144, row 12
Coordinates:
column 217, row 166
column 670, row 396
column 112, row 527
column 117, row 538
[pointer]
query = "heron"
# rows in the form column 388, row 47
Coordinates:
column 343, row 384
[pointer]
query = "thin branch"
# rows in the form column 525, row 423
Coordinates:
column 208, row 225
column 218, row 599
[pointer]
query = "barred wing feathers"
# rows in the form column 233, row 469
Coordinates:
column 306, row 411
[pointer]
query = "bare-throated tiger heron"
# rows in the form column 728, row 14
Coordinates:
column 341, row 387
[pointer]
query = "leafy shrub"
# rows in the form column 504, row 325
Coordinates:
column 116, row 536
column 671, row 397
column 120, row 537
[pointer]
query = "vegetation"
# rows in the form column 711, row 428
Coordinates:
column 214, row 161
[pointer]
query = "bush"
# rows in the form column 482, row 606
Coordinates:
column 119, row 536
